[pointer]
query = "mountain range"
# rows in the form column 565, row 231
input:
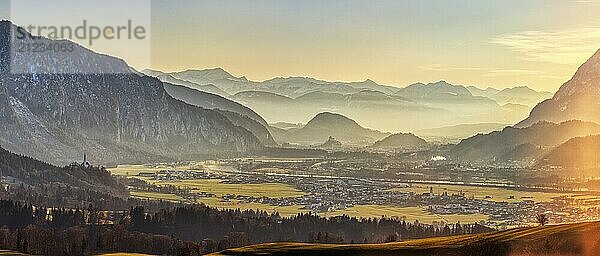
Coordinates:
column 291, row 86
column 237, row 114
column 300, row 98
column 516, row 95
column 95, row 103
column 67, row 104
column 574, row 111
column 526, row 145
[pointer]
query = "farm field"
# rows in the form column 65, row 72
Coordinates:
column 10, row 253
column 494, row 194
column 284, row 211
column 279, row 159
column 135, row 169
column 409, row 213
column 279, row 190
column 272, row 190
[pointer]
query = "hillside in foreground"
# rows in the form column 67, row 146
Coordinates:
column 564, row 239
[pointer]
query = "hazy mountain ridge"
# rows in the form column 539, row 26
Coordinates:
column 289, row 86
column 521, row 144
column 437, row 90
column 572, row 112
column 521, row 95
column 167, row 78
column 401, row 141
column 205, row 76
column 94, row 103
column 487, row 92
column 326, row 124
column 579, row 152
column 392, row 111
column 461, row 131
column 576, row 99
column 428, row 105
column 238, row 114
column 359, row 106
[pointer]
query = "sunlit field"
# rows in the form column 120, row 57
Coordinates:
column 410, row 214
column 541, row 238
column 155, row 196
column 10, row 253
column 487, row 193
column 284, row 211
column 278, row 190
column 272, row 190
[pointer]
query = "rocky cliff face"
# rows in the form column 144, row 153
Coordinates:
column 83, row 101
column 237, row 113
column 578, row 98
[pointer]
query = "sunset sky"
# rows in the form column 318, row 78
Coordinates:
column 484, row 43
column 497, row 43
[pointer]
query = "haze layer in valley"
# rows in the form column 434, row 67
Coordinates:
column 296, row 100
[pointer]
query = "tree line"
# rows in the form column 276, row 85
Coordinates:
column 189, row 229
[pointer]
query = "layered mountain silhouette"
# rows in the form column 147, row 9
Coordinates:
column 580, row 153
column 88, row 102
column 573, row 112
column 290, row 86
column 238, row 114
column 325, row 125
column 461, row 131
column 392, row 110
column 441, row 90
column 525, row 145
column 487, row 92
column 521, row 95
column 576, row 99
column 167, row 78
column 300, row 98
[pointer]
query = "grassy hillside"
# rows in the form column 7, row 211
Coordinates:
column 565, row 239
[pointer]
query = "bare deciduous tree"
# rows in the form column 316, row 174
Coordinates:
column 541, row 219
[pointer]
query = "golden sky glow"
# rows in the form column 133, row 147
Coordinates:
column 484, row 43
column 497, row 43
